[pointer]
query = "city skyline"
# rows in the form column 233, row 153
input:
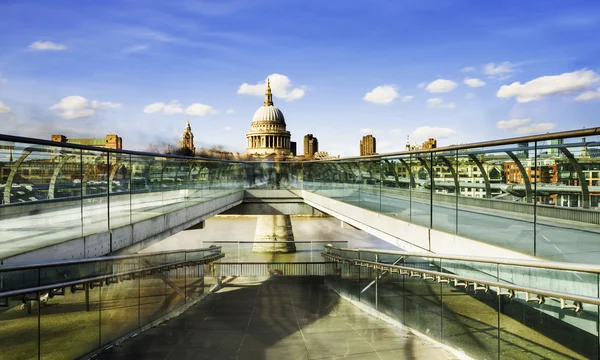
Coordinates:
column 421, row 71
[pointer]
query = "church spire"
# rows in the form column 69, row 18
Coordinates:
column 268, row 95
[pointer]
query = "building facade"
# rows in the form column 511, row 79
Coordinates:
column 187, row 140
column 268, row 135
column 311, row 145
column 111, row 141
column 368, row 145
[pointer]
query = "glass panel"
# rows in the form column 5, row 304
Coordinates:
column 119, row 185
column 94, row 188
column 495, row 205
column 119, row 302
column 445, row 180
column 72, row 319
column 567, row 195
column 420, row 203
column 470, row 316
column 423, row 301
column 19, row 329
column 396, row 189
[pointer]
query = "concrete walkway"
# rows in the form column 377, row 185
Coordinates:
column 278, row 318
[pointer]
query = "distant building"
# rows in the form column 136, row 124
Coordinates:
column 187, row 140
column 431, row 143
column 293, row 148
column 324, row 155
column 268, row 135
column 368, row 145
column 111, row 141
column 311, row 145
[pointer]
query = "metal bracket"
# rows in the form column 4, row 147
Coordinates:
column 77, row 287
column 54, row 292
column 509, row 292
column 442, row 280
column 428, row 277
column 484, row 288
column 415, row 274
column 577, row 306
column 540, row 299
column 459, row 283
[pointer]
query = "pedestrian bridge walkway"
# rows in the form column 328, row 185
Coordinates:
column 294, row 318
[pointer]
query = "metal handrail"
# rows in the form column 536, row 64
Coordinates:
column 27, row 266
column 44, row 288
column 552, row 265
column 524, row 289
column 507, row 141
column 27, row 140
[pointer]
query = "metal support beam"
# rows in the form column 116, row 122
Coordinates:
column 13, row 173
column 524, row 175
column 486, row 178
column 410, row 173
column 429, row 171
column 453, row 172
column 585, row 191
column 57, row 169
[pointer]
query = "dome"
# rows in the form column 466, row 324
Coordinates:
column 268, row 113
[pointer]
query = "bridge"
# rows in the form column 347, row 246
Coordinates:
column 510, row 225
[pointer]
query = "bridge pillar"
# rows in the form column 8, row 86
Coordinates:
column 277, row 231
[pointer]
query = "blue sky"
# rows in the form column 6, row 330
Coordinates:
column 461, row 71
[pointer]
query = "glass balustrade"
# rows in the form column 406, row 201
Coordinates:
column 95, row 301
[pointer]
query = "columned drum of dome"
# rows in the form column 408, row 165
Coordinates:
column 268, row 135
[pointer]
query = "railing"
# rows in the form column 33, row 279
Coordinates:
column 264, row 269
column 537, row 195
column 69, row 309
column 486, row 307
column 243, row 251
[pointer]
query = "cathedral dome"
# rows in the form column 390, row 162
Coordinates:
column 268, row 113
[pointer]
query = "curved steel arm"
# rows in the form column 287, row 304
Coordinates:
column 486, row 178
column 410, row 173
column 57, row 169
column 585, row 191
column 453, row 172
column 524, row 175
column 13, row 173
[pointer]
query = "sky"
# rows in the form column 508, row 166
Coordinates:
column 458, row 71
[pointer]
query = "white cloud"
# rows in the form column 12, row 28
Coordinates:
column 281, row 87
column 395, row 131
column 512, row 123
column 229, row 111
column 366, row 130
column 174, row 107
column 549, row 85
column 46, row 45
column 383, row 94
column 422, row 85
column 501, row 70
column 425, row 132
column 200, row 110
column 227, row 128
column 470, row 96
column 78, row 107
column 439, row 103
column 535, row 129
column 441, row 86
column 4, row 109
column 468, row 69
column 589, row 95
column 154, row 107
column 407, row 98
column 472, row 82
